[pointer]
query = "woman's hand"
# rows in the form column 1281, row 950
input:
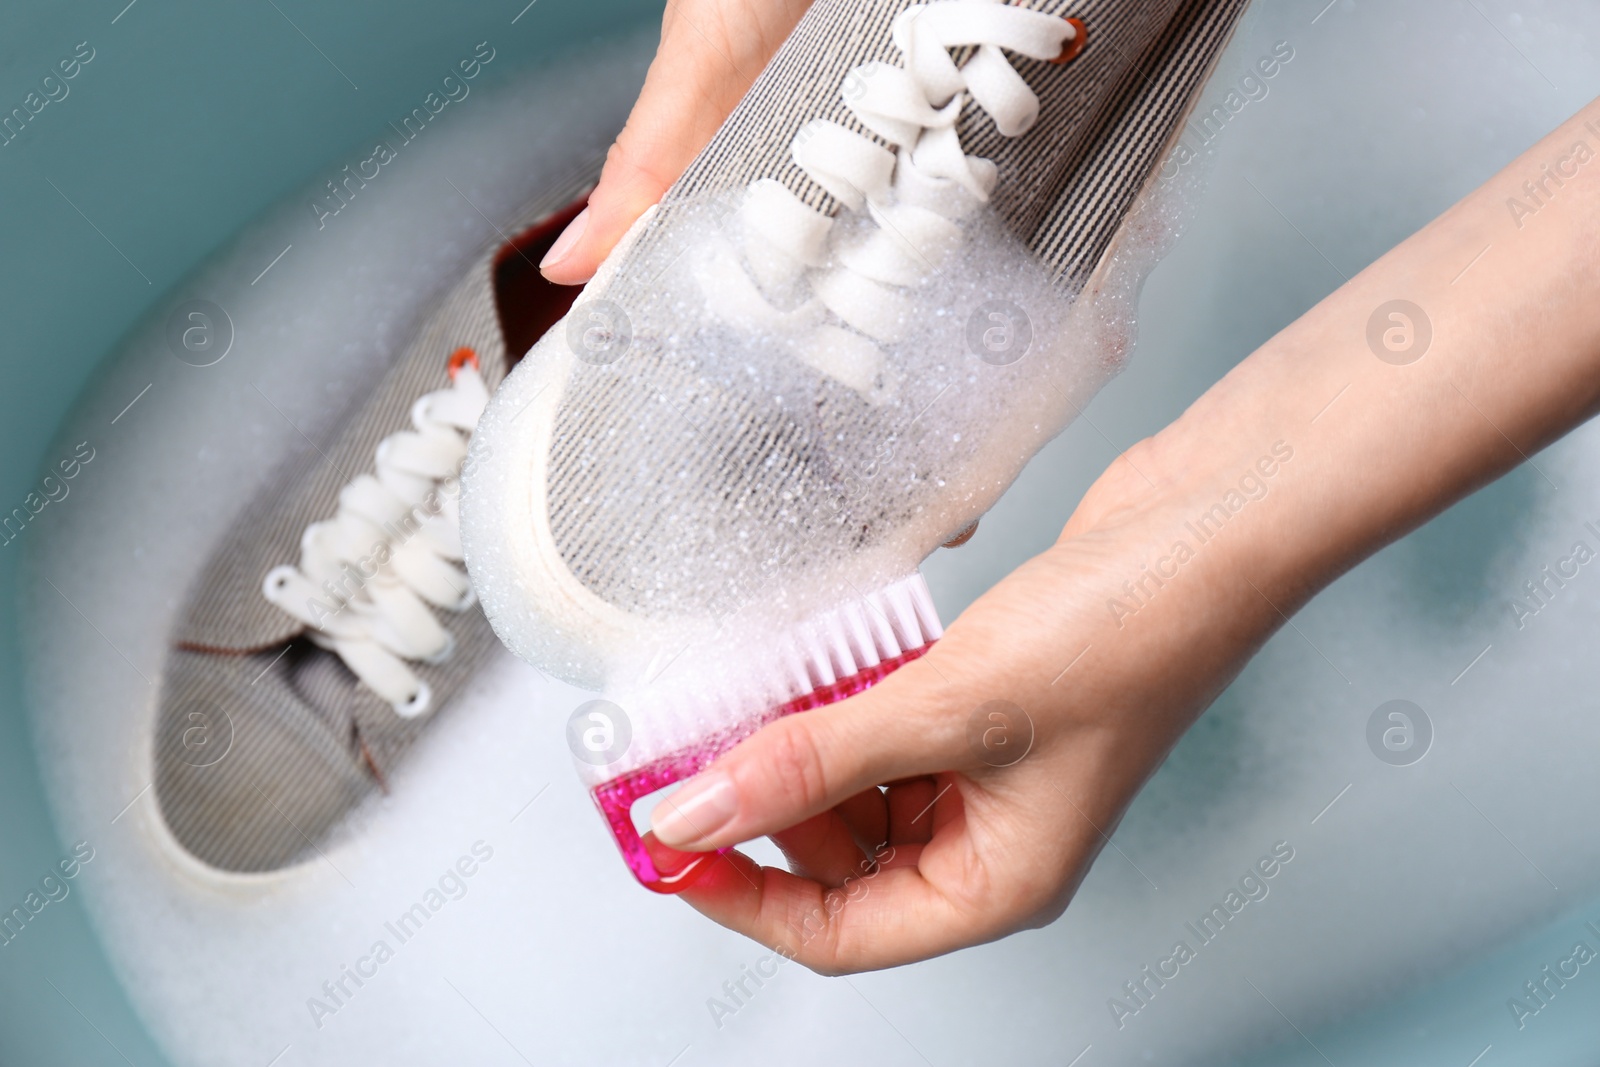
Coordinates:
column 710, row 53
column 1011, row 749
column 1326, row 444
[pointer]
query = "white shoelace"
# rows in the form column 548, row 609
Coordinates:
column 367, row 576
column 792, row 272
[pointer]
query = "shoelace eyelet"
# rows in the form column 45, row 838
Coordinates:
column 418, row 704
column 460, row 357
column 1080, row 38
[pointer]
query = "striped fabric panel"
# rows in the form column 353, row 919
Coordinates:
column 1079, row 224
column 285, row 729
column 247, row 776
column 1104, row 119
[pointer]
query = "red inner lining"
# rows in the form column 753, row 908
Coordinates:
column 526, row 304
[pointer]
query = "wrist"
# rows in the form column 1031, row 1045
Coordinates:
column 1506, row 359
column 1220, row 492
column 1206, row 529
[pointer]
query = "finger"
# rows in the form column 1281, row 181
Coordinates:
column 982, row 876
column 804, row 764
column 822, row 849
column 883, row 916
column 709, row 55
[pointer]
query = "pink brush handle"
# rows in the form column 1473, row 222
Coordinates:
column 616, row 798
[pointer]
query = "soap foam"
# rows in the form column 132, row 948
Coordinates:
column 719, row 478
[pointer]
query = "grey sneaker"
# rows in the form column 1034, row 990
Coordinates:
column 827, row 351
column 334, row 623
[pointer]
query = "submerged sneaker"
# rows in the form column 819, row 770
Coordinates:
column 828, row 350
column 334, row 623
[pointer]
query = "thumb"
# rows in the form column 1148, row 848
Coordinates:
column 710, row 53
column 804, row 764
column 633, row 179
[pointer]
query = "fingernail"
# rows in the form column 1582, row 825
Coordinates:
column 696, row 811
column 569, row 237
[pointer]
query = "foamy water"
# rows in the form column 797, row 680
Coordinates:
column 548, row 951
